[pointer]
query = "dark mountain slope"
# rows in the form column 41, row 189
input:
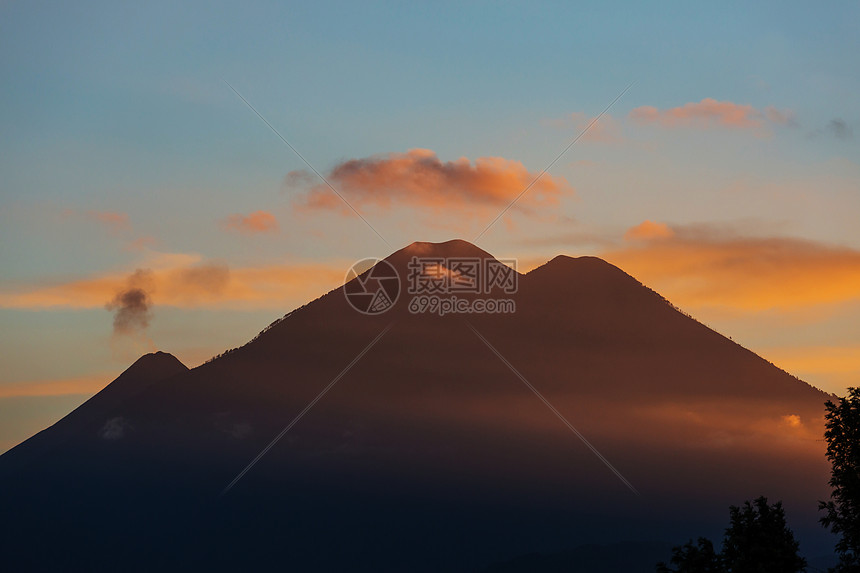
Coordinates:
column 430, row 453
column 93, row 415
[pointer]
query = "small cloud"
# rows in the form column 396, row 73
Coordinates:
column 255, row 223
column 839, row 129
column 836, row 127
column 208, row 278
column 141, row 243
column 604, row 130
column 298, row 179
column 57, row 386
column 710, row 113
column 792, row 421
column 115, row 221
column 760, row 84
column 240, row 431
column 780, row 116
column 114, row 429
column 649, row 231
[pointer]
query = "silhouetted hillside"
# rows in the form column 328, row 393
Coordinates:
column 429, row 453
column 93, row 415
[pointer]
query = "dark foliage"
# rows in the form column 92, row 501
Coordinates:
column 756, row 541
column 699, row 558
column 843, row 450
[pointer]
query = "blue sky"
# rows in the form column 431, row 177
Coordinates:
column 123, row 148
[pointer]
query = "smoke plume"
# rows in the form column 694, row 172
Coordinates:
column 132, row 306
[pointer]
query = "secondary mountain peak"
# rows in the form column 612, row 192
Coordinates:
column 156, row 365
column 579, row 272
column 586, row 262
column 92, row 414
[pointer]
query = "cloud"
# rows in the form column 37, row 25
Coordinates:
column 140, row 244
column 56, row 387
column 604, row 130
column 706, row 267
column 115, row 221
column 183, row 281
column 254, row 223
column 418, row 178
column 207, row 278
column 114, row 429
column 649, row 230
column 710, row 113
column 132, row 306
column 780, row 116
column 839, row 129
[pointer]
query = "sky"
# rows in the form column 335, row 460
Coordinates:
column 144, row 205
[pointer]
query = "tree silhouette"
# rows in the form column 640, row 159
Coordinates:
column 757, row 540
column 699, row 558
column 843, row 450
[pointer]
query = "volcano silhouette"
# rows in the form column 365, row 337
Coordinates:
column 430, row 453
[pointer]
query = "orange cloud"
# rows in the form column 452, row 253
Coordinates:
column 141, row 243
column 710, row 113
column 252, row 224
column 114, row 220
column 57, row 387
column 186, row 281
column 703, row 267
column 649, row 230
column 728, row 423
column 419, row 178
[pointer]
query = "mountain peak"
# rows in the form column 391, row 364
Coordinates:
column 452, row 248
column 92, row 414
column 158, row 364
column 585, row 265
column 584, row 260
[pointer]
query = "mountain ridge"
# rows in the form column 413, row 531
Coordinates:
column 431, row 436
